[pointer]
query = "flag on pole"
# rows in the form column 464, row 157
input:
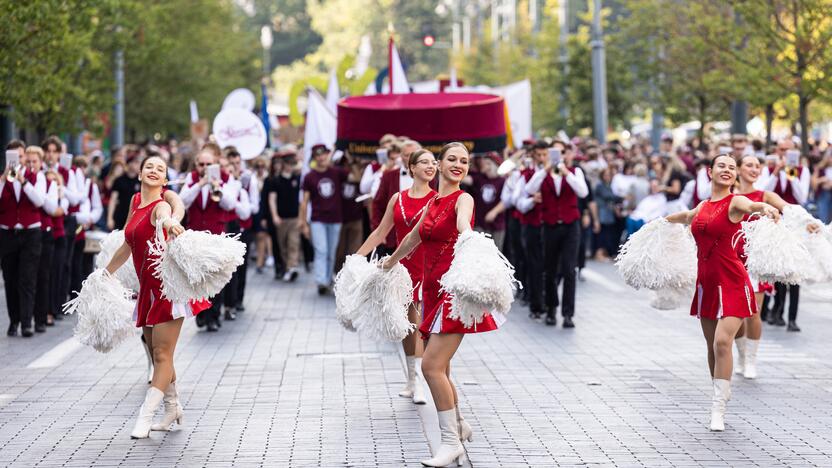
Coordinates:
column 321, row 126
column 333, row 93
column 264, row 114
column 395, row 71
column 453, row 83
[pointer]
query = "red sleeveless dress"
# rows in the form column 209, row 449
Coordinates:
column 406, row 215
column 151, row 308
column 759, row 286
column 723, row 288
column 439, row 234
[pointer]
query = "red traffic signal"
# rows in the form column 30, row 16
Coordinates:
column 428, row 40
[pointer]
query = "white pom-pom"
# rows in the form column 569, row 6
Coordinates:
column 479, row 280
column 660, row 255
column 797, row 220
column 384, row 297
column 126, row 274
column 347, row 289
column 104, row 312
column 196, row 265
column 775, row 253
column 670, row 298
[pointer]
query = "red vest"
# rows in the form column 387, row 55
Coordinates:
column 786, row 194
column 23, row 211
column 76, row 208
column 45, row 219
column 559, row 209
column 212, row 218
column 245, row 224
column 533, row 217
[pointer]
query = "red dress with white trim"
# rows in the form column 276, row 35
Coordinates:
column 439, row 234
column 151, row 308
column 759, row 286
column 723, row 288
column 406, row 215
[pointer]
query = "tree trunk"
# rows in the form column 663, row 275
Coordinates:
column 703, row 104
column 769, row 122
column 803, row 105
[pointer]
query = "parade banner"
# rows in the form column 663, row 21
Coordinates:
column 240, row 98
column 242, row 129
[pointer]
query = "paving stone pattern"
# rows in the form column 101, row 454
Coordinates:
column 285, row 385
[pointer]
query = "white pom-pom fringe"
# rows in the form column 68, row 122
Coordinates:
column 775, row 253
column 347, row 289
column 196, row 265
column 479, row 280
column 126, row 274
column 104, row 312
column 384, row 297
column 660, row 255
column 671, row 298
column 797, row 220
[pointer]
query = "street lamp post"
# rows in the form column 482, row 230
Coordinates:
column 118, row 128
column 599, row 76
column 266, row 40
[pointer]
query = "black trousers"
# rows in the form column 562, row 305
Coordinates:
column 561, row 257
column 80, row 267
column 247, row 237
column 514, row 248
column 780, row 300
column 533, row 246
column 70, row 224
column 585, row 233
column 43, row 302
column 229, row 292
column 57, row 280
column 20, row 253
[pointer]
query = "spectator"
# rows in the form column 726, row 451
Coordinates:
column 121, row 194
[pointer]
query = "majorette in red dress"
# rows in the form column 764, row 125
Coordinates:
column 759, row 286
column 439, row 233
column 723, row 288
column 406, row 215
column 151, row 308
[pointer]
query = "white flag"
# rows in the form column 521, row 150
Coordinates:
column 333, row 93
column 399, row 83
column 321, row 126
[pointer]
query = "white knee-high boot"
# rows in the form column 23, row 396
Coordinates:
column 751, row 347
column 173, row 410
column 722, row 392
column 407, row 392
column 450, row 449
column 418, row 380
column 739, row 362
column 152, row 399
column 465, row 431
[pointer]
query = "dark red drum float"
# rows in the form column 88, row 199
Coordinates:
column 432, row 119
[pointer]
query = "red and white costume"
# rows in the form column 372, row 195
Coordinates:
column 723, row 288
column 439, row 234
column 406, row 215
column 204, row 214
column 151, row 309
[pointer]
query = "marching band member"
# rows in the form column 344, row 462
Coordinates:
column 531, row 220
column 447, row 215
column 250, row 184
column 560, row 188
column 391, row 183
column 88, row 213
column 403, row 211
column 487, row 190
column 791, row 182
column 723, row 289
column 22, row 194
column 208, row 201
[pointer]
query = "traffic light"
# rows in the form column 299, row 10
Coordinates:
column 428, row 40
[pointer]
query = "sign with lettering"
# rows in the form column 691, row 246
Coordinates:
column 242, row 129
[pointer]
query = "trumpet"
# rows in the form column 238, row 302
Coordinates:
column 13, row 171
column 792, row 172
column 216, row 193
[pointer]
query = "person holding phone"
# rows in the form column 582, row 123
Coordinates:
column 822, row 186
column 209, row 199
column 22, row 194
column 560, row 185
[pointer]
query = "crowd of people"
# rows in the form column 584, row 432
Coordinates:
column 297, row 217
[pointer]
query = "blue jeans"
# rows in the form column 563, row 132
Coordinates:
column 633, row 225
column 824, row 201
column 324, row 242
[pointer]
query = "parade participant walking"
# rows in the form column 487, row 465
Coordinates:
column 209, row 198
column 160, row 319
column 250, row 185
column 86, row 214
column 447, row 215
column 284, row 209
column 22, row 194
column 392, row 182
column 791, row 181
column 723, row 289
column 403, row 212
column 352, row 211
column 124, row 187
column 529, row 203
column 322, row 190
column 487, row 190
column 560, row 187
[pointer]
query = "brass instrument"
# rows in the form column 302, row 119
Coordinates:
column 13, row 171
column 216, row 193
column 792, row 172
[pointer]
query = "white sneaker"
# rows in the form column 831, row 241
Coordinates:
column 270, row 261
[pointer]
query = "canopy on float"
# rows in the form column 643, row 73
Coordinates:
column 433, row 119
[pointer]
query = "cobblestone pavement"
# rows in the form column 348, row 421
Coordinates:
column 285, row 385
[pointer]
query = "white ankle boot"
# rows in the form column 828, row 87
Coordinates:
column 739, row 362
column 407, row 392
column 465, row 431
column 722, row 392
column 751, row 347
column 149, row 356
column 173, row 410
column 450, row 449
column 151, row 403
